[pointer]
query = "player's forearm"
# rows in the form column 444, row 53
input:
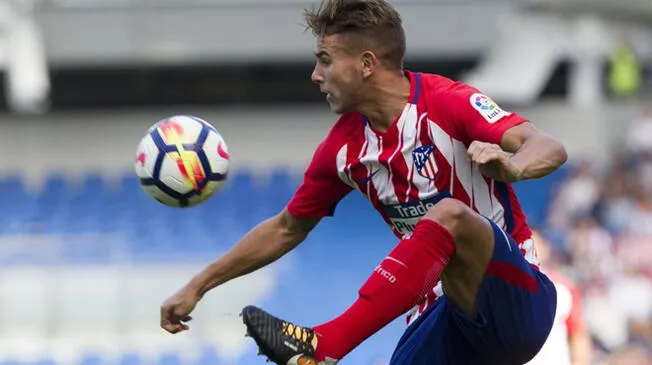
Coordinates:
column 263, row 245
column 539, row 156
column 581, row 349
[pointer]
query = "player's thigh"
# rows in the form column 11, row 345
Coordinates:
column 434, row 338
column 516, row 306
column 474, row 241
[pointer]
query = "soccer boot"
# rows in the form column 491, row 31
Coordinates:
column 282, row 342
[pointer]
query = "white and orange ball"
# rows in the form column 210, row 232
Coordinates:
column 182, row 161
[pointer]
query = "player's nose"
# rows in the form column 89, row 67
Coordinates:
column 317, row 76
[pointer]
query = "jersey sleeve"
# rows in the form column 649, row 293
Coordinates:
column 321, row 188
column 475, row 116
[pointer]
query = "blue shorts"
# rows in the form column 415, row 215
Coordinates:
column 516, row 308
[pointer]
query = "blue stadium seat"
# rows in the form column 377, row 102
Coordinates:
column 208, row 356
column 130, row 359
column 12, row 188
column 92, row 359
column 45, row 361
column 11, row 362
column 93, row 205
column 17, row 204
column 169, row 359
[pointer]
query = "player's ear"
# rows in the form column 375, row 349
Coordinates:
column 369, row 63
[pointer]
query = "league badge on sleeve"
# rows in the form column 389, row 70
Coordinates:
column 488, row 108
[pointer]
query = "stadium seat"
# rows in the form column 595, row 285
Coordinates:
column 92, row 359
column 94, row 206
column 169, row 359
column 45, row 361
column 208, row 356
column 12, row 362
column 130, row 359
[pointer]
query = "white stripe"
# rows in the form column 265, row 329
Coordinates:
column 431, row 161
column 463, row 167
column 498, row 213
column 476, row 187
column 397, row 261
column 482, row 194
column 381, row 179
column 401, row 127
column 442, row 140
column 344, row 175
column 432, row 165
column 498, row 210
column 411, row 141
column 506, row 239
column 444, row 143
column 407, row 139
column 363, row 151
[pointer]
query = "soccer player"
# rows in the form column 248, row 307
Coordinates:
column 435, row 158
column 569, row 342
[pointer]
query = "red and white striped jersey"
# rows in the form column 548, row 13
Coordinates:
column 419, row 160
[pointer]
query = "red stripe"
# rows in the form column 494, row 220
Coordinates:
column 521, row 229
column 400, row 169
column 432, row 169
column 512, row 275
column 414, row 188
column 360, row 172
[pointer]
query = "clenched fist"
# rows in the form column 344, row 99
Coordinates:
column 175, row 311
column 493, row 162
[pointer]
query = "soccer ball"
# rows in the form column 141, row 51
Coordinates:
column 182, row 161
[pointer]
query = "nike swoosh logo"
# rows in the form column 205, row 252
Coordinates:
column 365, row 180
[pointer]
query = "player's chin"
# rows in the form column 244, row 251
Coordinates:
column 339, row 108
column 335, row 107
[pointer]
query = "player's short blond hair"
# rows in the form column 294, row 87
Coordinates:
column 373, row 25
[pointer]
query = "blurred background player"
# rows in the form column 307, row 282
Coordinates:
column 569, row 342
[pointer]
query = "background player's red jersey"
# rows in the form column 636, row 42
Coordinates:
column 419, row 160
column 569, row 321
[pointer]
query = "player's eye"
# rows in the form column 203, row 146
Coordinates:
column 324, row 60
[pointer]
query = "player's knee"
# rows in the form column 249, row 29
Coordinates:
column 450, row 213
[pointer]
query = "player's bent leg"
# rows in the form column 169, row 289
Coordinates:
column 503, row 307
column 474, row 241
column 435, row 338
column 516, row 307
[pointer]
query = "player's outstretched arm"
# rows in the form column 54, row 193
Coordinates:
column 261, row 246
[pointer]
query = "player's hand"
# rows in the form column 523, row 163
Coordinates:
column 175, row 311
column 493, row 162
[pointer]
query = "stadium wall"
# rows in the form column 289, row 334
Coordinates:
column 258, row 137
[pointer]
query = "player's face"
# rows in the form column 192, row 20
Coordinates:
column 338, row 74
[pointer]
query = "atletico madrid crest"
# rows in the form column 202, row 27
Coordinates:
column 424, row 161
